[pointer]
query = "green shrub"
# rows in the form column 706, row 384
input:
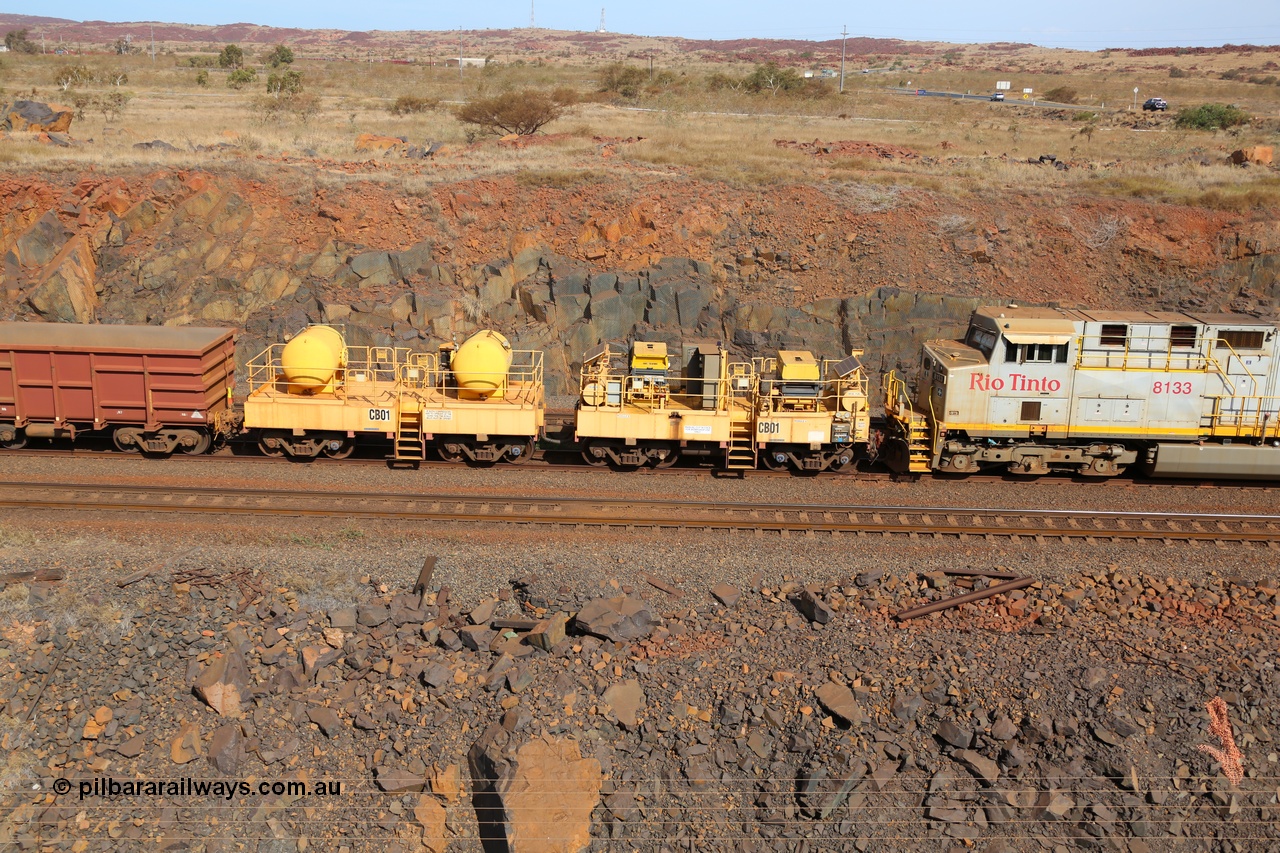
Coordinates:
column 202, row 77
column 407, row 104
column 1061, row 95
column 1212, row 117
column 284, row 83
column 1178, row 72
column 241, row 77
column 70, row 76
column 626, row 81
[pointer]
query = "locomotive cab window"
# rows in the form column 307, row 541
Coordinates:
column 1114, row 334
column 1182, row 337
column 1035, row 353
column 982, row 340
column 1239, row 339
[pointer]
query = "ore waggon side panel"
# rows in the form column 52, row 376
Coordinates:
column 158, row 388
column 1039, row 389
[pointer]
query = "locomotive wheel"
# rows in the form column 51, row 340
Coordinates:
column 771, row 460
column 202, row 445
column 344, row 450
column 1102, row 468
column 525, row 454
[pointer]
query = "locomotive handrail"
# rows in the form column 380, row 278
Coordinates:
column 1250, row 420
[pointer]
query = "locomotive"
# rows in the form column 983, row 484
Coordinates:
column 1028, row 391
column 1034, row 390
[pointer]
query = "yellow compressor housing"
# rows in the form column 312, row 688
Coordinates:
column 481, row 402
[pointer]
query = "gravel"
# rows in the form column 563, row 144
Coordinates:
column 1065, row 714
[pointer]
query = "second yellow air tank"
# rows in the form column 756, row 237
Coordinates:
column 481, row 364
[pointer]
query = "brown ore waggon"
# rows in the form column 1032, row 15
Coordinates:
column 155, row 388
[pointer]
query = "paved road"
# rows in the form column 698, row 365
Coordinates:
column 1014, row 99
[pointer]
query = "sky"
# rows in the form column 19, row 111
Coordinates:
column 1083, row 24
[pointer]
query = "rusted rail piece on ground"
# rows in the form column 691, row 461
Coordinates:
column 957, row 600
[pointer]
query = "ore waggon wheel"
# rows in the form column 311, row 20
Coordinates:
column 775, row 460
column 519, row 454
column 339, row 448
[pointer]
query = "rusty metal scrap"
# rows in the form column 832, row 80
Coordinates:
column 957, row 600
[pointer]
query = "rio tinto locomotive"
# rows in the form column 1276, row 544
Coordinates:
column 1033, row 390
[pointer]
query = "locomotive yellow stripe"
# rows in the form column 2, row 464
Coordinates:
column 1064, row 430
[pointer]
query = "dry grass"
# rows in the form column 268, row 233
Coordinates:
column 687, row 129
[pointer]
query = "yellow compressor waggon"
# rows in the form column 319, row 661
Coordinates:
column 480, row 402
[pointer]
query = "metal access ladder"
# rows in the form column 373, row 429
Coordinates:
column 912, row 427
column 740, row 455
column 410, row 445
column 919, row 444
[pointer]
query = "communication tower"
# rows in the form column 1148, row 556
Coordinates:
column 602, row 29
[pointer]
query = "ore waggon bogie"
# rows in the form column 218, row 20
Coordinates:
column 154, row 389
column 480, row 402
column 1034, row 390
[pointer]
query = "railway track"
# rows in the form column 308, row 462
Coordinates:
column 614, row 514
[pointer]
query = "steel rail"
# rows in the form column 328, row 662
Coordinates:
column 627, row 514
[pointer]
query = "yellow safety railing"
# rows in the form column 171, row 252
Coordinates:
column 1245, row 417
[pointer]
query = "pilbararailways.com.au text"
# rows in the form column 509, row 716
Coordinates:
column 227, row 789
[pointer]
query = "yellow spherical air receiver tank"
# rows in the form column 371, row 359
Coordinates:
column 313, row 360
column 480, row 365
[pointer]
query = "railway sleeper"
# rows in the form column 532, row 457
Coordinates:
column 1096, row 460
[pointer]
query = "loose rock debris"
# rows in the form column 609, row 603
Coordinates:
column 774, row 717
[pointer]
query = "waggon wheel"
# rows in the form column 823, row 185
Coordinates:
column 595, row 454
column 271, row 445
column 775, row 460
column 345, row 447
column 201, row 446
column 524, row 455
column 125, row 440
column 18, row 441
column 842, row 462
column 672, row 457
column 452, row 452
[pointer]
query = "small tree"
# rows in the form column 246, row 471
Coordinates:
column 280, row 55
column 70, row 76
column 522, row 112
column 241, row 77
column 284, row 83
column 231, row 57
column 772, row 78
column 624, row 80
column 202, row 77
column 17, row 41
